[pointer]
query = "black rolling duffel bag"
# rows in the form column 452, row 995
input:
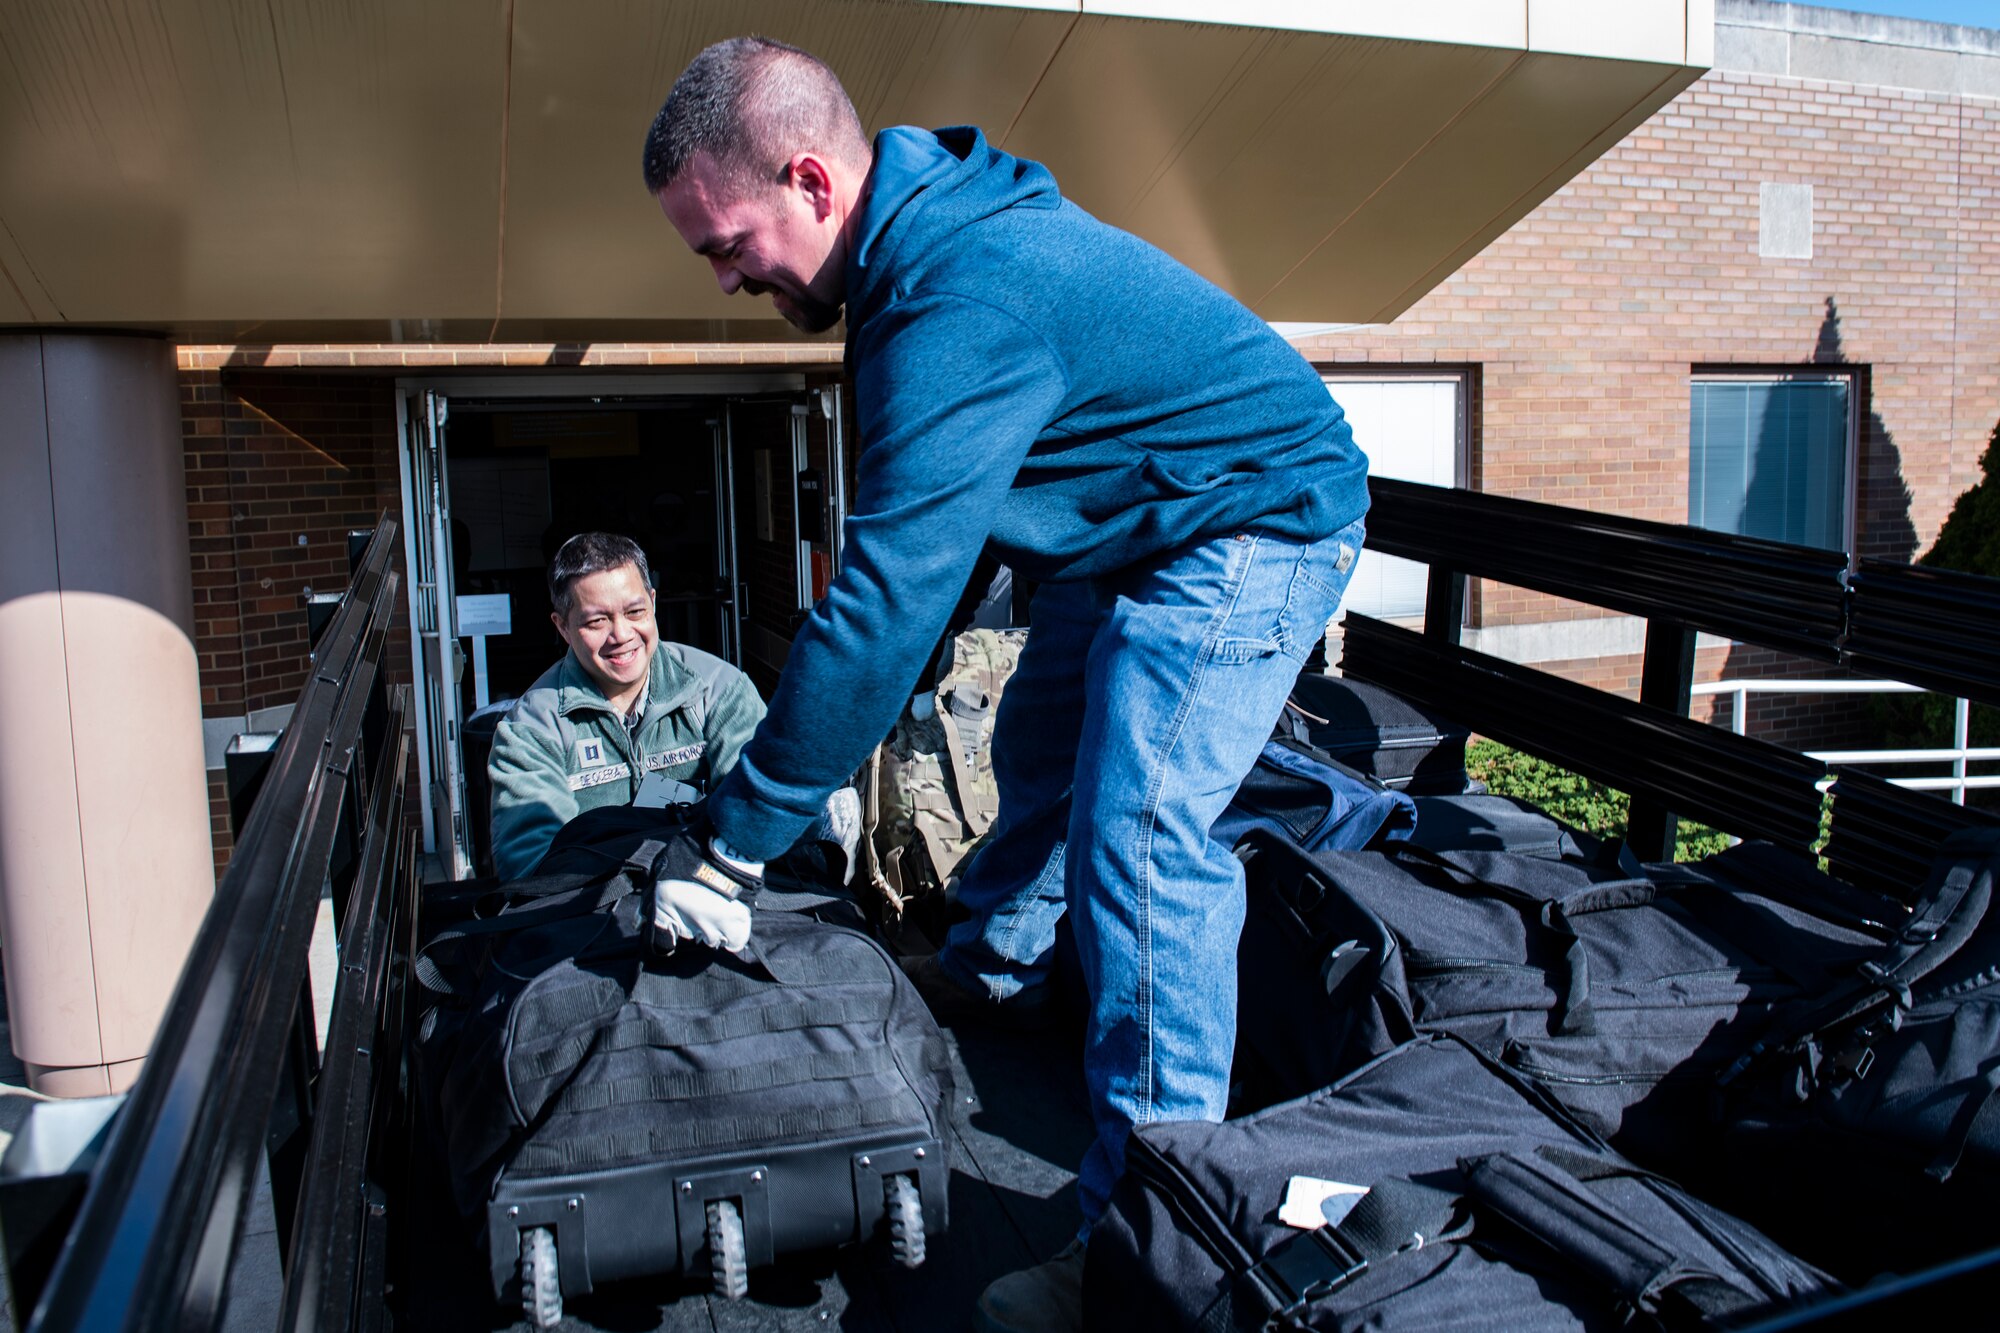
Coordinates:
column 1486, row 1207
column 604, row 1114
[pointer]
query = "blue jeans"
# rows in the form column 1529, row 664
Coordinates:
column 1140, row 702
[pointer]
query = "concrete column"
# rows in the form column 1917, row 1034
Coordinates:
column 105, row 864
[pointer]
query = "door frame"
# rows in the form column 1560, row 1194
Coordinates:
column 593, row 390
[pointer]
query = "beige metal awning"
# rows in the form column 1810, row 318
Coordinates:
column 468, row 170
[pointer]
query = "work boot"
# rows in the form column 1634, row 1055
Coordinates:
column 951, row 1003
column 1047, row 1298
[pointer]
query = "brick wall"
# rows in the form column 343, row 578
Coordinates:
column 279, row 468
column 1586, row 318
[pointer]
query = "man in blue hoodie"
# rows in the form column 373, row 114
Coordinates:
column 1172, row 473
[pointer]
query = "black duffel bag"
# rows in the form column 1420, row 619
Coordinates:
column 633, row 1115
column 1487, row 1207
column 1885, row 1101
column 1625, row 989
column 1662, row 1005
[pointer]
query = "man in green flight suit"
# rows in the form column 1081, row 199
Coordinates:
column 622, row 719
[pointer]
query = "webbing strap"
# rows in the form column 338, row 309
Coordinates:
column 554, row 1152
column 1939, row 925
column 693, row 1084
column 693, row 1029
column 720, row 983
column 1393, row 1216
column 571, row 1008
column 963, row 723
column 555, row 901
column 1941, row 921
column 473, row 902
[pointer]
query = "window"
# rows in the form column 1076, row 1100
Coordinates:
column 1772, row 455
column 1411, row 427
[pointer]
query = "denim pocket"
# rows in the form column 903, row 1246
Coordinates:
column 1319, row 580
column 1329, row 565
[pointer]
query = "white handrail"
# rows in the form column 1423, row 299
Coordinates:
column 1959, row 754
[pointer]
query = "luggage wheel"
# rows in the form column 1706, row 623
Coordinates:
column 541, row 1286
column 725, row 1250
column 903, row 1207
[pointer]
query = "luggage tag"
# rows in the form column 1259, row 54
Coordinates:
column 1311, row 1203
column 659, row 791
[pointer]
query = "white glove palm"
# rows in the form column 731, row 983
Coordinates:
column 690, row 911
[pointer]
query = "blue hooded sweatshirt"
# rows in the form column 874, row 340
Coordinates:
column 1030, row 379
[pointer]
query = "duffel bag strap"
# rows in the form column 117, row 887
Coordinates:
column 1393, row 1216
column 440, row 962
column 1544, row 1201
column 1521, row 879
column 1948, row 914
column 1975, row 1108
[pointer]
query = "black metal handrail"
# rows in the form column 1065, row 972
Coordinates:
column 1783, row 596
column 1932, row 627
column 338, row 1255
column 1927, row 627
column 153, row 1240
column 1739, row 784
column 1883, row 837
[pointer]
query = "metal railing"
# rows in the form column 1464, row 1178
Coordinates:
column 1959, row 754
column 236, row 1071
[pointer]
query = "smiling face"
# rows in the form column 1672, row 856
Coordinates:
column 610, row 630
column 783, row 239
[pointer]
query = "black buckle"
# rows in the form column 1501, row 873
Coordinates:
column 1306, row 1268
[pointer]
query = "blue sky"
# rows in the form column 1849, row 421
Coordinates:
column 1976, row 13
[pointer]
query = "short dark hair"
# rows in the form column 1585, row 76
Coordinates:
column 750, row 103
column 590, row 553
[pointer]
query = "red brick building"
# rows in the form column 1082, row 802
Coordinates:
column 1818, row 209
column 1817, row 213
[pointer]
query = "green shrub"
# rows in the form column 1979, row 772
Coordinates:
column 1969, row 541
column 1573, row 798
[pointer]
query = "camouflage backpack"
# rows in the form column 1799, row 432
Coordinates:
column 933, row 796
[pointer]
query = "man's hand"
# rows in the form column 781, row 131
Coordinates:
column 697, row 896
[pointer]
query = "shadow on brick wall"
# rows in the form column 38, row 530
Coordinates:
column 1883, row 530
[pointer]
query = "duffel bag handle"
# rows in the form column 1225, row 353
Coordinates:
column 1952, row 909
column 1498, row 876
column 1574, row 1014
column 1393, row 1217
column 1539, row 1197
column 439, row 964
